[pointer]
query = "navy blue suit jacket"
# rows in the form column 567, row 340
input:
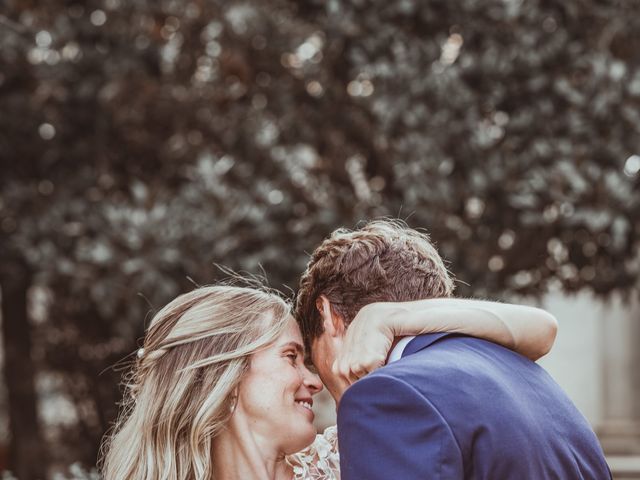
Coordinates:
column 457, row 407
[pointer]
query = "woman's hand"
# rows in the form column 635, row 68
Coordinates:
column 367, row 341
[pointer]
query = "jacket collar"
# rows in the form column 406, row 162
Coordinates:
column 423, row 341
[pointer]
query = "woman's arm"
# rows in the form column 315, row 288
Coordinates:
column 529, row 331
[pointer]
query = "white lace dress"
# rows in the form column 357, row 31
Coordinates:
column 320, row 460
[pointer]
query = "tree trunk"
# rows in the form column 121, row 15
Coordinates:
column 27, row 453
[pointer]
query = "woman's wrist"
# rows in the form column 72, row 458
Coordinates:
column 387, row 317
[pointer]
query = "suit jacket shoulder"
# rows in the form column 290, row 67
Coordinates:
column 474, row 407
column 387, row 429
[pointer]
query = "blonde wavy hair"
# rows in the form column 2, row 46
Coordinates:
column 196, row 351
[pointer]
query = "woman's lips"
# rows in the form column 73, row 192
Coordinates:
column 306, row 405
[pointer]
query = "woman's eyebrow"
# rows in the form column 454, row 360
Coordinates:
column 296, row 346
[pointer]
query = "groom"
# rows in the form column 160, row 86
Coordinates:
column 445, row 406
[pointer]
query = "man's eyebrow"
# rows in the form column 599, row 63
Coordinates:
column 295, row 345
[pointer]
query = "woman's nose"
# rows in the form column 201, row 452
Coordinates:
column 312, row 382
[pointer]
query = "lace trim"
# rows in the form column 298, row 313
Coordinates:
column 320, row 460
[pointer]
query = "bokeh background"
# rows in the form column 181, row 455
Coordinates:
column 144, row 141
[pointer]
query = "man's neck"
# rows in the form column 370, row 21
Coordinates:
column 396, row 340
column 397, row 348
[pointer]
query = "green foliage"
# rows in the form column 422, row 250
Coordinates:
column 144, row 141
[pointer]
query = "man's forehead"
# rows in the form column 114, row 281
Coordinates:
column 308, row 345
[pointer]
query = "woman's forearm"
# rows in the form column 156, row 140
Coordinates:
column 368, row 340
column 527, row 330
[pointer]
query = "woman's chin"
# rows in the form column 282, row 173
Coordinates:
column 303, row 439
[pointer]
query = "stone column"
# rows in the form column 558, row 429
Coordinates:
column 619, row 432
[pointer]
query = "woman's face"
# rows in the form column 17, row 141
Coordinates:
column 275, row 396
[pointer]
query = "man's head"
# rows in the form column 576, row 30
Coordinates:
column 383, row 261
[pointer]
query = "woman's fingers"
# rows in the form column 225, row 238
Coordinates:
column 352, row 366
column 366, row 345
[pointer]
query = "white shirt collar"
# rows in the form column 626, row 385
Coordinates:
column 396, row 353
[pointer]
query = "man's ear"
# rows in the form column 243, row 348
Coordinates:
column 331, row 321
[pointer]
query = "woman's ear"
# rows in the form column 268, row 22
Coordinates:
column 233, row 400
column 331, row 321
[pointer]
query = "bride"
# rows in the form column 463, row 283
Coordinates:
column 220, row 389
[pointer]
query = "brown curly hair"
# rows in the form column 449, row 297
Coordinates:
column 384, row 260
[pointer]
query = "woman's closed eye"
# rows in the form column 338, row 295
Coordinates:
column 293, row 351
column 292, row 356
